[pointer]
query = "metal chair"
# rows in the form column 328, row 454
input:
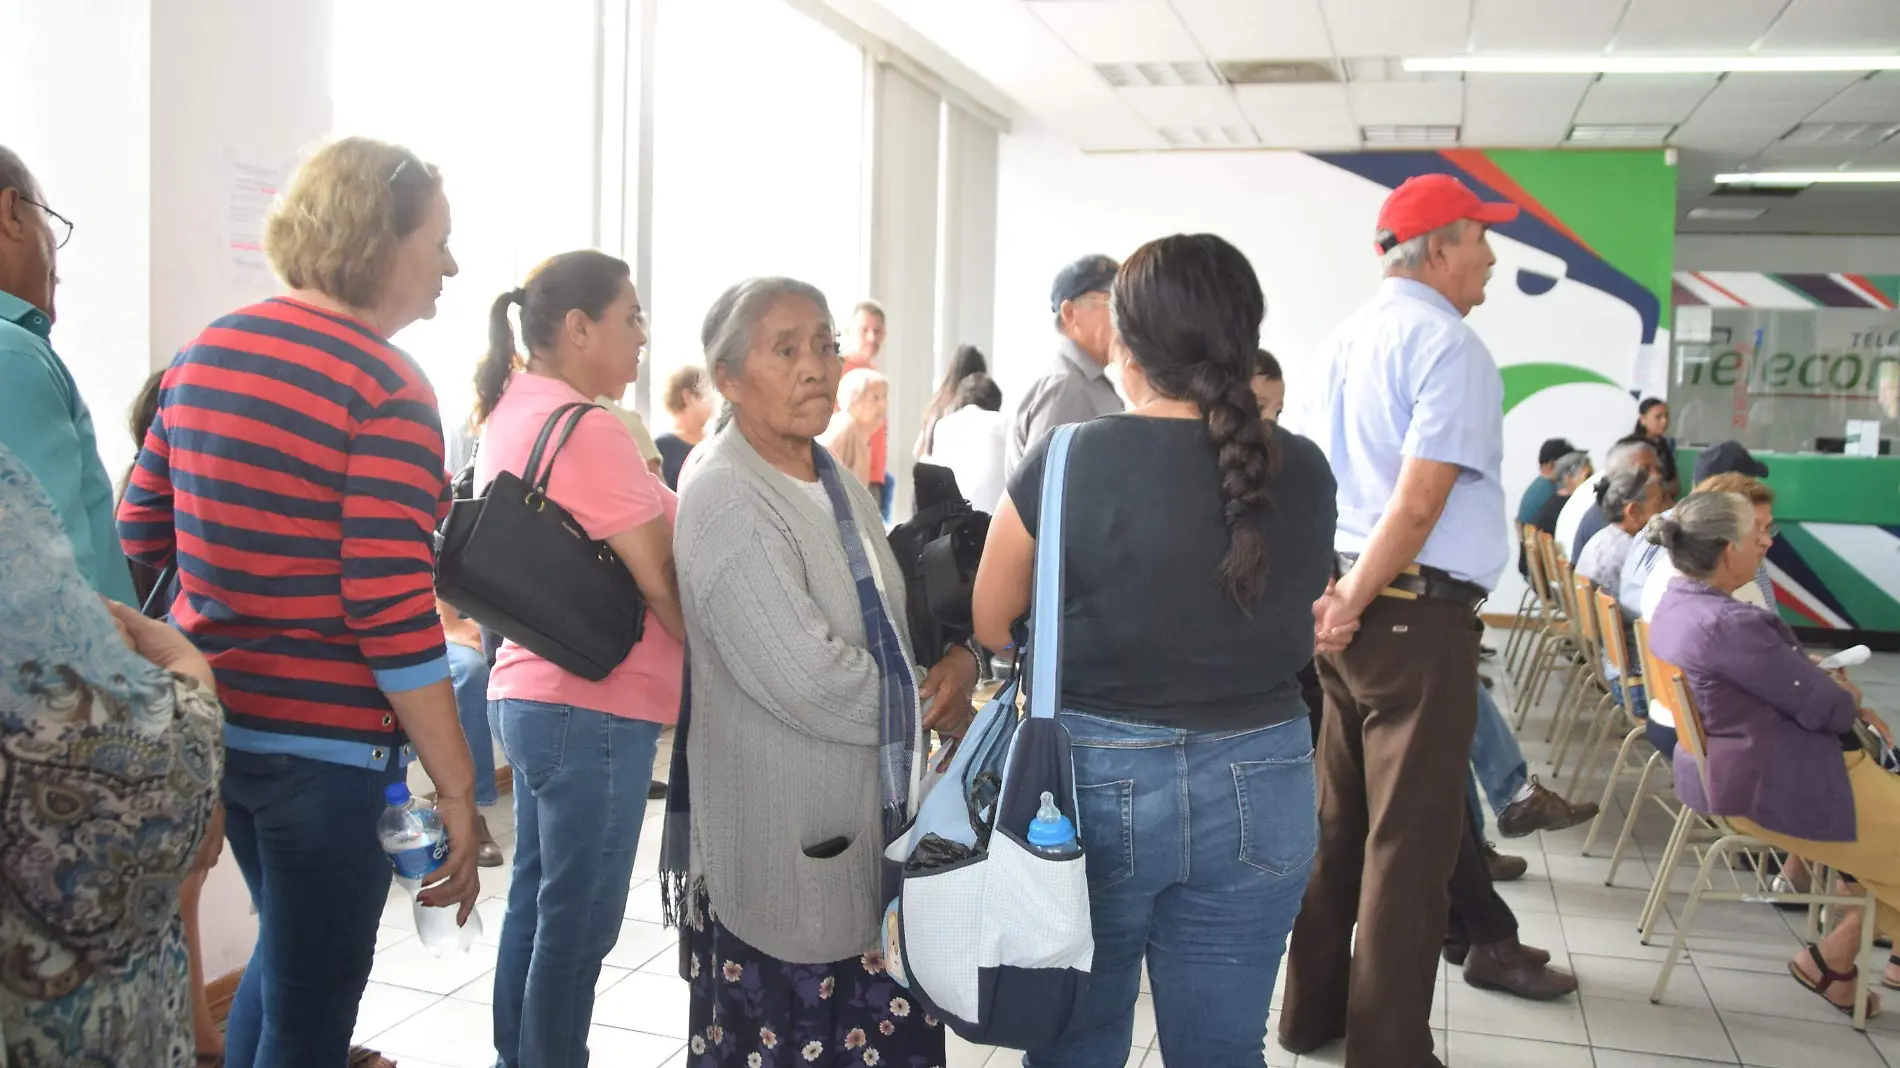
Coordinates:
column 1689, row 732
column 1644, row 793
column 1559, row 646
column 1571, row 708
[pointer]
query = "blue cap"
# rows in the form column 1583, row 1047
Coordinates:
column 396, row 793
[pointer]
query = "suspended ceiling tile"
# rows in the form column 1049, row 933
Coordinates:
column 1859, row 26
column 1119, row 31
column 1398, row 27
column 1644, row 97
column 1739, row 139
column 1876, row 99
column 1185, row 105
column 1257, row 29
column 1407, row 103
column 1544, row 25
column 1521, row 110
column 1299, row 116
column 1803, row 91
column 1784, row 155
column 1703, row 26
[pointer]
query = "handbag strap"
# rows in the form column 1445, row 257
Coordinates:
column 534, row 474
column 1045, row 610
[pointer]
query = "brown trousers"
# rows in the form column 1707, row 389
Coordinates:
column 1401, row 706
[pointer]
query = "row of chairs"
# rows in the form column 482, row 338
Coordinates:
column 1567, row 626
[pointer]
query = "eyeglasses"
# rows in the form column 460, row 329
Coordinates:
column 63, row 232
column 1773, row 531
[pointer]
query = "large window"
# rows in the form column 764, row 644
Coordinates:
column 503, row 101
column 757, row 163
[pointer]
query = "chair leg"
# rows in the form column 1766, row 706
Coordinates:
column 1593, row 752
column 1609, row 794
column 1716, row 851
column 1570, row 705
column 1540, row 663
column 1865, row 981
column 1636, row 808
column 1665, row 872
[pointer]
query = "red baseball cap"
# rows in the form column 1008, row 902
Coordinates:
column 1429, row 201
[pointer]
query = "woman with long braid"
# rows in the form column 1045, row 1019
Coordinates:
column 1203, row 536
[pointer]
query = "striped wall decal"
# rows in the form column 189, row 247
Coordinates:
column 1790, row 292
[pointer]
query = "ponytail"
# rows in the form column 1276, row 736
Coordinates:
column 500, row 361
column 1189, row 309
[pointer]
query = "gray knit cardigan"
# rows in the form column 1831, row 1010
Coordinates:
column 784, row 738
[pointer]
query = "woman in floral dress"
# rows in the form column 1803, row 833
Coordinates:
column 109, row 761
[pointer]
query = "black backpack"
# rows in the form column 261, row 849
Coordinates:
column 939, row 548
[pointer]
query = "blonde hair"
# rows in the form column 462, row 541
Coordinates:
column 336, row 227
column 1754, row 489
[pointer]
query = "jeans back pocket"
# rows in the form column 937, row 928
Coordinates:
column 1279, row 813
column 1107, row 811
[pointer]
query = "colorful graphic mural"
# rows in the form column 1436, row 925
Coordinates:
column 1754, row 289
column 1580, row 296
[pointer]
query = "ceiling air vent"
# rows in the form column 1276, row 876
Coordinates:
column 1392, row 69
column 1727, row 214
column 1409, row 135
column 1840, row 133
column 1777, row 191
column 1152, row 75
column 1621, row 133
column 1209, row 136
column 1279, row 71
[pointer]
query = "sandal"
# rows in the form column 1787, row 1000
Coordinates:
column 1829, row 977
column 1887, row 977
column 364, row 1057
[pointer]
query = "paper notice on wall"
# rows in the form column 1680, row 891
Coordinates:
column 250, row 189
column 1863, row 437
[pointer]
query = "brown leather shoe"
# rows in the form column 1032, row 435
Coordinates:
column 1456, row 952
column 1543, row 811
column 1509, row 967
column 1504, row 869
column 489, row 855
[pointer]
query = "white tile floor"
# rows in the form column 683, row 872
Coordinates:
column 1732, row 1004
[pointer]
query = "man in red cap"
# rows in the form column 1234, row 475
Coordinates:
column 1408, row 407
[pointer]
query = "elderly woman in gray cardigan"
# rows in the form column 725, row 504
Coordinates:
column 804, row 732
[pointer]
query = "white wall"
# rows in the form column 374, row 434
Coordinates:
column 1307, row 227
column 77, row 80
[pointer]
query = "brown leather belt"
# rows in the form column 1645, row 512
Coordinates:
column 1418, row 582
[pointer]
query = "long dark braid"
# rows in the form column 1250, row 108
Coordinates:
column 1189, row 309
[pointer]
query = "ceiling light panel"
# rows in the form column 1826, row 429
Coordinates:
column 1186, row 106
column 1840, row 133
column 1152, row 75
column 1400, row 104
column 1392, row 69
column 1397, row 27
column 1256, row 29
column 1388, row 135
column 1726, row 214
column 1799, row 178
column 1210, row 137
column 1628, row 133
column 1600, row 63
column 1644, row 98
column 1119, row 31
column 1659, row 26
column 1543, row 25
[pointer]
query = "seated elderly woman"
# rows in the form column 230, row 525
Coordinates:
column 864, row 399
column 1783, row 762
column 802, row 730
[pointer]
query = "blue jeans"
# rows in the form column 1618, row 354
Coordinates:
column 469, row 670
column 1496, row 760
column 580, row 796
column 1199, row 845
column 304, row 835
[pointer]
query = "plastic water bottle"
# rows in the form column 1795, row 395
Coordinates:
column 417, row 845
column 1051, row 834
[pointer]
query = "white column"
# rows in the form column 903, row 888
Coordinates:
column 903, row 252
column 966, row 242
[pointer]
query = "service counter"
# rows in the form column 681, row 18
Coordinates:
column 1836, row 565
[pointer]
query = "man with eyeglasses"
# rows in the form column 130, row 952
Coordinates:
column 1076, row 388
column 43, row 419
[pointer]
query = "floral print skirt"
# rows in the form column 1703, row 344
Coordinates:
column 750, row 1010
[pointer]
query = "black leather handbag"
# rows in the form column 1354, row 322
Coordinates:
column 517, row 563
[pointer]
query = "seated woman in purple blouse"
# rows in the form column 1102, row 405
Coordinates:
column 1783, row 762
